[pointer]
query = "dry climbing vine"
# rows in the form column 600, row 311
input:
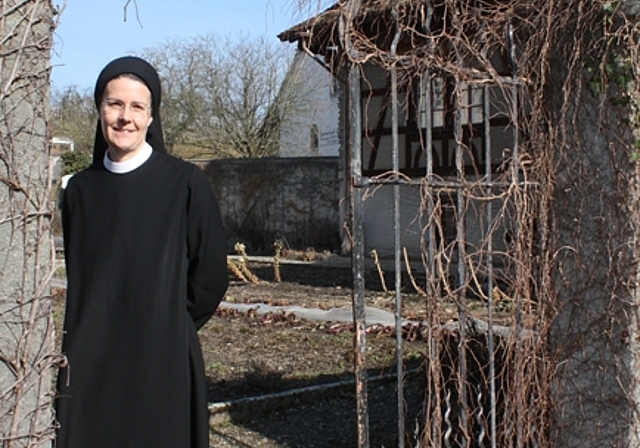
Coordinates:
column 568, row 71
column 27, row 354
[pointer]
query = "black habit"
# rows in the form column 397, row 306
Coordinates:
column 146, row 265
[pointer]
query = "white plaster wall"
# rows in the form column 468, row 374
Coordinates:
column 379, row 222
column 317, row 104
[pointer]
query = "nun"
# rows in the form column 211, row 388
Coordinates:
column 145, row 256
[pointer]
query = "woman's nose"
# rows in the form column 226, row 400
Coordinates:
column 125, row 114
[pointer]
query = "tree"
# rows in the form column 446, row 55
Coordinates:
column 222, row 97
column 75, row 161
column 73, row 116
column 225, row 98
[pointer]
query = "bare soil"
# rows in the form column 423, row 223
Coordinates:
column 248, row 355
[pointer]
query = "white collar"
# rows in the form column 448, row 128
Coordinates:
column 130, row 164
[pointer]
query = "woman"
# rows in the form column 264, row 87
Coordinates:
column 146, row 265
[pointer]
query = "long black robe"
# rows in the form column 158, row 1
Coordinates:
column 146, row 265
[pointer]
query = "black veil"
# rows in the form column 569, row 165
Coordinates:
column 143, row 70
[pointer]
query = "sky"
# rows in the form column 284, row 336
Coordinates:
column 91, row 33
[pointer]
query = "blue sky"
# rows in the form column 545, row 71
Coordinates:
column 93, row 32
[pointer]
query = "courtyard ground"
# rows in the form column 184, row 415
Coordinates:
column 254, row 361
column 279, row 379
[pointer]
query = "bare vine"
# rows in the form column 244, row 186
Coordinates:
column 27, row 355
column 568, row 72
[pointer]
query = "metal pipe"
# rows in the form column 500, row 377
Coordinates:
column 489, row 211
column 359, row 319
column 354, row 155
column 461, row 299
column 396, row 230
column 437, row 183
column 515, row 177
column 488, row 177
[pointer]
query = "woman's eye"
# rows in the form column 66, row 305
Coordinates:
column 115, row 105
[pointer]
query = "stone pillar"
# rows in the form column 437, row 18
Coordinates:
column 26, row 255
column 595, row 223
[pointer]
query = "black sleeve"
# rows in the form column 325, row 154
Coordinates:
column 66, row 221
column 207, row 251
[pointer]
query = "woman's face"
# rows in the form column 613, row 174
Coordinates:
column 125, row 114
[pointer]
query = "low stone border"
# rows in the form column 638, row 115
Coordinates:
column 246, row 408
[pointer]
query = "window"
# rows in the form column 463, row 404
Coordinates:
column 315, row 139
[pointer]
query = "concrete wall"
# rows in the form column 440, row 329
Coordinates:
column 594, row 337
column 293, row 199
